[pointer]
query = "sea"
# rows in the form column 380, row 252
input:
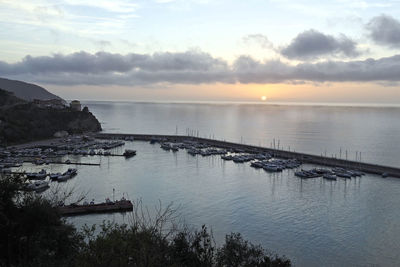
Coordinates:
column 313, row 222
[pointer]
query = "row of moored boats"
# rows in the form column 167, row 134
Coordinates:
column 38, row 182
column 329, row 174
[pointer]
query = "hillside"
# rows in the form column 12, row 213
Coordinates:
column 26, row 91
column 8, row 98
column 22, row 121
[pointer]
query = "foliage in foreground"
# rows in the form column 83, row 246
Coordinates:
column 33, row 234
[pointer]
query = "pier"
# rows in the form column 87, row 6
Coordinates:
column 117, row 206
column 303, row 157
column 75, row 163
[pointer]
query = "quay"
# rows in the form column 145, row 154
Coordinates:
column 65, row 163
column 303, row 157
column 75, row 163
column 117, row 206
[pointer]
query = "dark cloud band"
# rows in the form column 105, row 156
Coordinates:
column 192, row 67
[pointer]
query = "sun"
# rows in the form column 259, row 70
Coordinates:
column 263, row 98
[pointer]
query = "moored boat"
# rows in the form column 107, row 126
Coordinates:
column 54, row 176
column 37, row 186
column 129, row 153
column 329, row 176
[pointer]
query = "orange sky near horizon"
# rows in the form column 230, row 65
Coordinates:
column 324, row 92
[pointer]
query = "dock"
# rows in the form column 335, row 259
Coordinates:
column 303, row 157
column 75, row 163
column 117, row 206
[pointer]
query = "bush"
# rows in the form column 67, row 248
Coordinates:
column 32, row 233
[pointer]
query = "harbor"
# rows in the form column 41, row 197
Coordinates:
column 284, row 154
column 211, row 179
column 101, row 144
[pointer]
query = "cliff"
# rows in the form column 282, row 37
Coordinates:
column 24, row 121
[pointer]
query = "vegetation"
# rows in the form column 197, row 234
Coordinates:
column 31, row 231
column 22, row 121
column 7, row 98
column 33, row 234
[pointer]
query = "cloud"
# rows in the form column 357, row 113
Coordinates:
column 66, row 16
column 385, row 30
column 103, row 62
column 312, row 44
column 191, row 67
column 117, row 6
column 260, row 39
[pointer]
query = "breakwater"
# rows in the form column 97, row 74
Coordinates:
column 303, row 157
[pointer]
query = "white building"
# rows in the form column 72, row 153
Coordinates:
column 75, row 105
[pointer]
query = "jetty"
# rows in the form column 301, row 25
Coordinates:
column 303, row 157
column 117, row 206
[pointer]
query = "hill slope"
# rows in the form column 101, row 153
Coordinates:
column 8, row 98
column 26, row 91
column 22, row 121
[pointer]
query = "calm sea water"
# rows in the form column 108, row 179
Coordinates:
column 373, row 131
column 313, row 222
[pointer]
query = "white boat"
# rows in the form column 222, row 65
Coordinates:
column 72, row 171
column 41, row 175
column 54, row 176
column 64, row 177
column 343, row 175
column 38, row 186
column 329, row 176
column 271, row 168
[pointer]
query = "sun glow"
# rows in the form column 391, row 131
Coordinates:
column 263, row 98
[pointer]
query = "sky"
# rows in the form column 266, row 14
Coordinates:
column 202, row 50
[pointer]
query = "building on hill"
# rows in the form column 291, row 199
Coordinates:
column 75, row 105
column 51, row 103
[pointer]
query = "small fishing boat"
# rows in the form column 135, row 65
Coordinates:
column 165, row 146
column 343, row 175
column 41, row 175
column 329, row 176
column 227, row 157
column 174, row 148
column 54, row 176
column 37, row 186
column 65, row 176
column 129, row 153
column 271, row 168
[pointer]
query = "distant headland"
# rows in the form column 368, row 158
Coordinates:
column 29, row 112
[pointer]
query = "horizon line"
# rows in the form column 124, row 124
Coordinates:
column 267, row 103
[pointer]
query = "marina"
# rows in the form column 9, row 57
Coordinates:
column 284, row 154
column 271, row 160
